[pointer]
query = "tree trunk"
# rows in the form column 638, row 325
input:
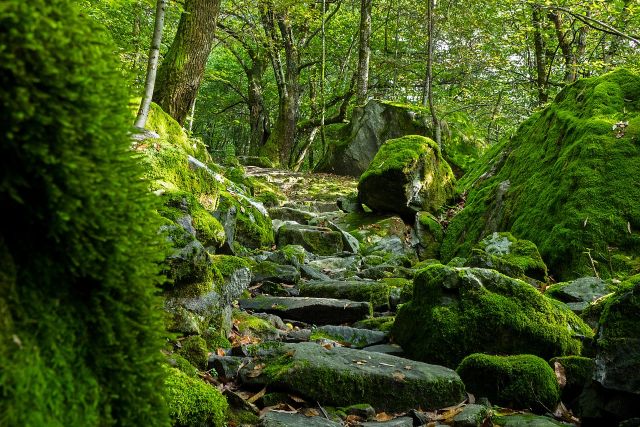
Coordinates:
column 258, row 114
column 541, row 67
column 181, row 71
column 364, row 52
column 152, row 67
column 427, row 96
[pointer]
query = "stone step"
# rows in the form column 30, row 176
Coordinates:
column 343, row 376
column 319, row 311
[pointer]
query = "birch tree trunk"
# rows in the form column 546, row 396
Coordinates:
column 364, row 52
column 152, row 66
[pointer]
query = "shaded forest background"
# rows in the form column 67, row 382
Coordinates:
column 493, row 63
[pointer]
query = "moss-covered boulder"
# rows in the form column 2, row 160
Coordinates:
column 317, row 240
column 565, row 182
column 80, row 336
column 192, row 402
column 573, row 373
column 510, row 256
column 375, row 292
column 341, row 376
column 458, row 311
column 381, row 235
column 407, row 175
column 519, row 382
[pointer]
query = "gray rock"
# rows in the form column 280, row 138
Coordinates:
column 336, row 266
column 340, row 376
column 579, row 293
column 290, row 214
column 376, row 293
column 392, row 349
column 370, row 126
column 226, row 367
column 472, row 415
column 313, row 273
column 285, row 419
column 270, row 271
column 527, row 420
column 349, row 203
column 320, row 311
column 355, row 338
column 397, row 422
column 317, row 240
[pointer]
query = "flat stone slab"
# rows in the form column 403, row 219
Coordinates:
column 397, row 422
column 341, row 376
column 377, row 293
column 319, row 311
column 527, row 420
column 351, row 337
column 285, row 419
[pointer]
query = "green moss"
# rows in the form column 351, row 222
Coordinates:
column 455, row 312
column 508, row 255
column 253, row 228
column 294, row 254
column 619, row 326
column 183, row 365
column 389, row 179
column 563, row 182
column 578, row 370
column 192, row 402
column 252, row 325
column 81, row 331
column 241, row 417
column 519, row 382
column 194, row 349
column 377, row 293
column 227, row 264
column 215, row 340
column 382, row 323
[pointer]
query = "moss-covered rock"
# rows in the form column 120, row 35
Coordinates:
column 430, row 233
column 580, row 293
column 245, row 221
column 80, row 336
column 518, row 382
column 193, row 403
column 407, row 175
column 376, row 293
column 574, row 373
column 194, row 350
column 563, row 182
column 331, row 376
column 317, row 240
column 618, row 340
column 510, row 256
column 458, row 311
column 382, row 323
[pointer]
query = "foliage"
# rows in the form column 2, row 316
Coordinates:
column 563, row 182
column 81, row 335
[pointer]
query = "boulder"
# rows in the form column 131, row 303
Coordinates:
column 270, row 271
column 407, row 175
column 341, row 376
column 355, row 146
column 526, row 420
column 429, row 234
column 320, row 311
column 458, row 311
column 518, row 382
column 317, row 240
column 285, row 419
column 564, row 181
column 381, row 235
column 579, row 293
column 510, row 256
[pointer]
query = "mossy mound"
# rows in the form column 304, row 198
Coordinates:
column 519, row 382
column 192, row 402
column 458, row 311
column 565, row 182
column 407, row 175
column 80, row 336
column 514, row 257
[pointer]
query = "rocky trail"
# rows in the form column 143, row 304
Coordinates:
column 310, row 336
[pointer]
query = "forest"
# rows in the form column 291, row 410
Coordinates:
column 320, row 213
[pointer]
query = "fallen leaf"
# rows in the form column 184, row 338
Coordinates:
column 297, row 399
column 309, row 412
column 220, row 352
column 383, row 416
column 398, row 376
column 257, row 396
column 353, row 419
column 560, row 374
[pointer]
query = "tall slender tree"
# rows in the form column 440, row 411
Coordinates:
column 181, row 72
column 152, row 65
column 364, row 52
